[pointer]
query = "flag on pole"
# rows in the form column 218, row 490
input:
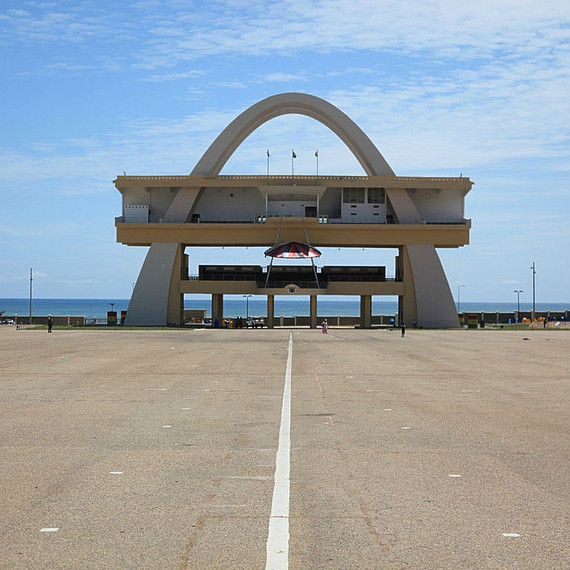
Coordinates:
column 317, row 157
column 293, row 154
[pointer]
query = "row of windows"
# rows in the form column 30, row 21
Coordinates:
column 363, row 195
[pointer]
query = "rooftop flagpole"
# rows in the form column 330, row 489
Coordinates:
column 268, row 155
column 317, row 157
column 293, row 157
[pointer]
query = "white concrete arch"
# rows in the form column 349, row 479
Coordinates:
column 247, row 122
column 156, row 298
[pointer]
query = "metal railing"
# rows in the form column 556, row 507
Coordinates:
column 222, row 277
column 366, row 180
column 121, row 220
column 279, row 283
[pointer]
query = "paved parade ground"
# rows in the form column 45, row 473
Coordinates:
column 157, row 449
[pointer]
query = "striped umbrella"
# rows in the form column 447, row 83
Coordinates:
column 293, row 250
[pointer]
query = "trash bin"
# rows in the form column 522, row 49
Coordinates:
column 472, row 321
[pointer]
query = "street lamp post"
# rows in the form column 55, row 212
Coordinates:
column 247, row 305
column 533, row 267
column 31, row 293
column 459, row 287
column 518, row 292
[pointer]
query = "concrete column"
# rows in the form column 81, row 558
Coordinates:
column 313, row 311
column 270, row 311
column 427, row 296
column 217, row 307
column 407, row 306
column 156, row 299
column 365, row 311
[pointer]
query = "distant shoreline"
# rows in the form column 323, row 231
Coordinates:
column 286, row 307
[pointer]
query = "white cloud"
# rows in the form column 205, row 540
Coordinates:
column 159, row 77
column 279, row 77
column 443, row 27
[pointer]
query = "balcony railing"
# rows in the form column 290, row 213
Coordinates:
column 121, row 220
column 279, row 283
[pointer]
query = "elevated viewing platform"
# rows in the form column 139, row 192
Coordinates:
column 249, row 210
column 291, row 280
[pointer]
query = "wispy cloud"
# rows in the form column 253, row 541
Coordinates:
column 42, row 23
column 460, row 29
column 160, row 77
column 279, row 77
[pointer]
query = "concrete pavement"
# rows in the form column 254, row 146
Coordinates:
column 155, row 449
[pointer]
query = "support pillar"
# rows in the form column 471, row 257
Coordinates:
column 407, row 306
column 156, row 299
column 427, row 296
column 217, row 308
column 365, row 311
column 270, row 311
column 313, row 311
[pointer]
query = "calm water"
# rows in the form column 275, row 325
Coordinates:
column 286, row 307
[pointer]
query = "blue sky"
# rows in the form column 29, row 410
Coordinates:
column 91, row 89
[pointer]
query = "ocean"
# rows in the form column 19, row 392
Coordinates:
column 237, row 307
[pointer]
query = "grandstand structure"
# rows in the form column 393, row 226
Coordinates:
column 173, row 214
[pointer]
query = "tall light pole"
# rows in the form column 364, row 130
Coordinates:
column 533, row 267
column 518, row 292
column 459, row 287
column 31, row 282
column 247, row 305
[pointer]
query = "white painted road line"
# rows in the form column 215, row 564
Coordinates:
column 52, row 529
column 278, row 537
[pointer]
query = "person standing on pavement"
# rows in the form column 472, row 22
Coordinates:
column 403, row 329
column 50, row 323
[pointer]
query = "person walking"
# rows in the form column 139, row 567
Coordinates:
column 325, row 326
column 50, row 323
column 403, row 329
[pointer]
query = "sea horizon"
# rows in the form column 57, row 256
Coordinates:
column 239, row 307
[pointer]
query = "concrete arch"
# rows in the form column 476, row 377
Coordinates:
column 247, row 122
column 158, row 279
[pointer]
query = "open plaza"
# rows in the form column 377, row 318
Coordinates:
column 157, row 449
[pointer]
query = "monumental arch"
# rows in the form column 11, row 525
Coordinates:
column 378, row 210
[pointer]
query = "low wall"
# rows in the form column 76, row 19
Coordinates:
column 504, row 318
column 305, row 320
column 60, row 321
